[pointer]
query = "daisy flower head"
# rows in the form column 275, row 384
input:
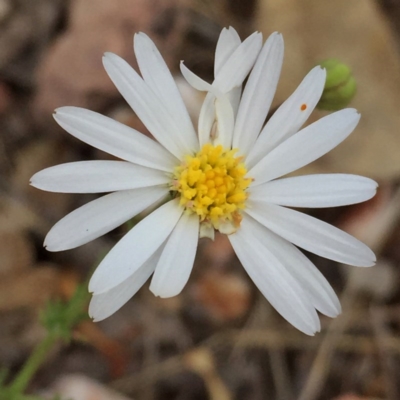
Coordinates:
column 224, row 178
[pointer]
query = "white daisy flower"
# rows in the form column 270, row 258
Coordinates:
column 224, row 178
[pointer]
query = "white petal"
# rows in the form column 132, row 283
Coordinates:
column 234, row 98
column 273, row 280
column 135, row 248
column 306, row 146
column 312, row 234
column 147, row 105
column 228, row 42
column 290, row 116
column 206, row 119
column 226, row 110
column 225, row 121
column 236, row 68
column 194, row 80
column 99, row 217
column 105, row 304
column 322, row 296
column 176, row 262
column 114, row 138
column 156, row 74
column 324, row 190
column 258, row 94
column 97, row 177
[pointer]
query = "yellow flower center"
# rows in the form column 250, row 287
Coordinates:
column 212, row 184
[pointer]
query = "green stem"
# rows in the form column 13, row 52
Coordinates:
column 22, row 380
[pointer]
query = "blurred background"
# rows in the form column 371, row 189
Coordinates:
column 219, row 339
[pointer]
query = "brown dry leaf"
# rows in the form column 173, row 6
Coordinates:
column 72, row 72
column 373, row 222
column 15, row 215
column 31, row 288
column 355, row 32
column 24, row 24
column 33, row 158
column 225, row 296
column 16, row 253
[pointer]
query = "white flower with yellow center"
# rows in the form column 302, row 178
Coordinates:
column 222, row 179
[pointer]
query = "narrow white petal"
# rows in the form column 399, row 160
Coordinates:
column 324, row 190
column 306, row 146
column 147, row 105
column 135, row 248
column 206, row 119
column 99, row 217
column 273, row 280
column 105, row 304
column 322, row 296
column 312, row 234
column 258, row 94
column 156, row 74
column 194, row 80
column 290, row 116
column 97, row 177
column 234, row 98
column 236, row 68
column 176, row 262
column 225, row 121
column 114, row 138
column 228, row 42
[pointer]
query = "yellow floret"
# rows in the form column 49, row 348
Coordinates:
column 212, row 184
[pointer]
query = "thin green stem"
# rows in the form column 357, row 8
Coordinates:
column 35, row 360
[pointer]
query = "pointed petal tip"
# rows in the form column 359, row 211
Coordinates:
column 370, row 258
column 94, row 315
column 277, row 35
column 162, row 292
column 334, row 308
column 140, row 36
column 108, row 56
column 52, row 247
column 308, row 331
column 336, row 313
column 95, row 318
column 351, row 110
column 370, row 264
column 157, row 292
column 368, row 261
column 321, row 71
column 59, row 111
column 49, row 247
column 64, row 109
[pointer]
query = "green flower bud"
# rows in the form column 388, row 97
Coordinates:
column 340, row 86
